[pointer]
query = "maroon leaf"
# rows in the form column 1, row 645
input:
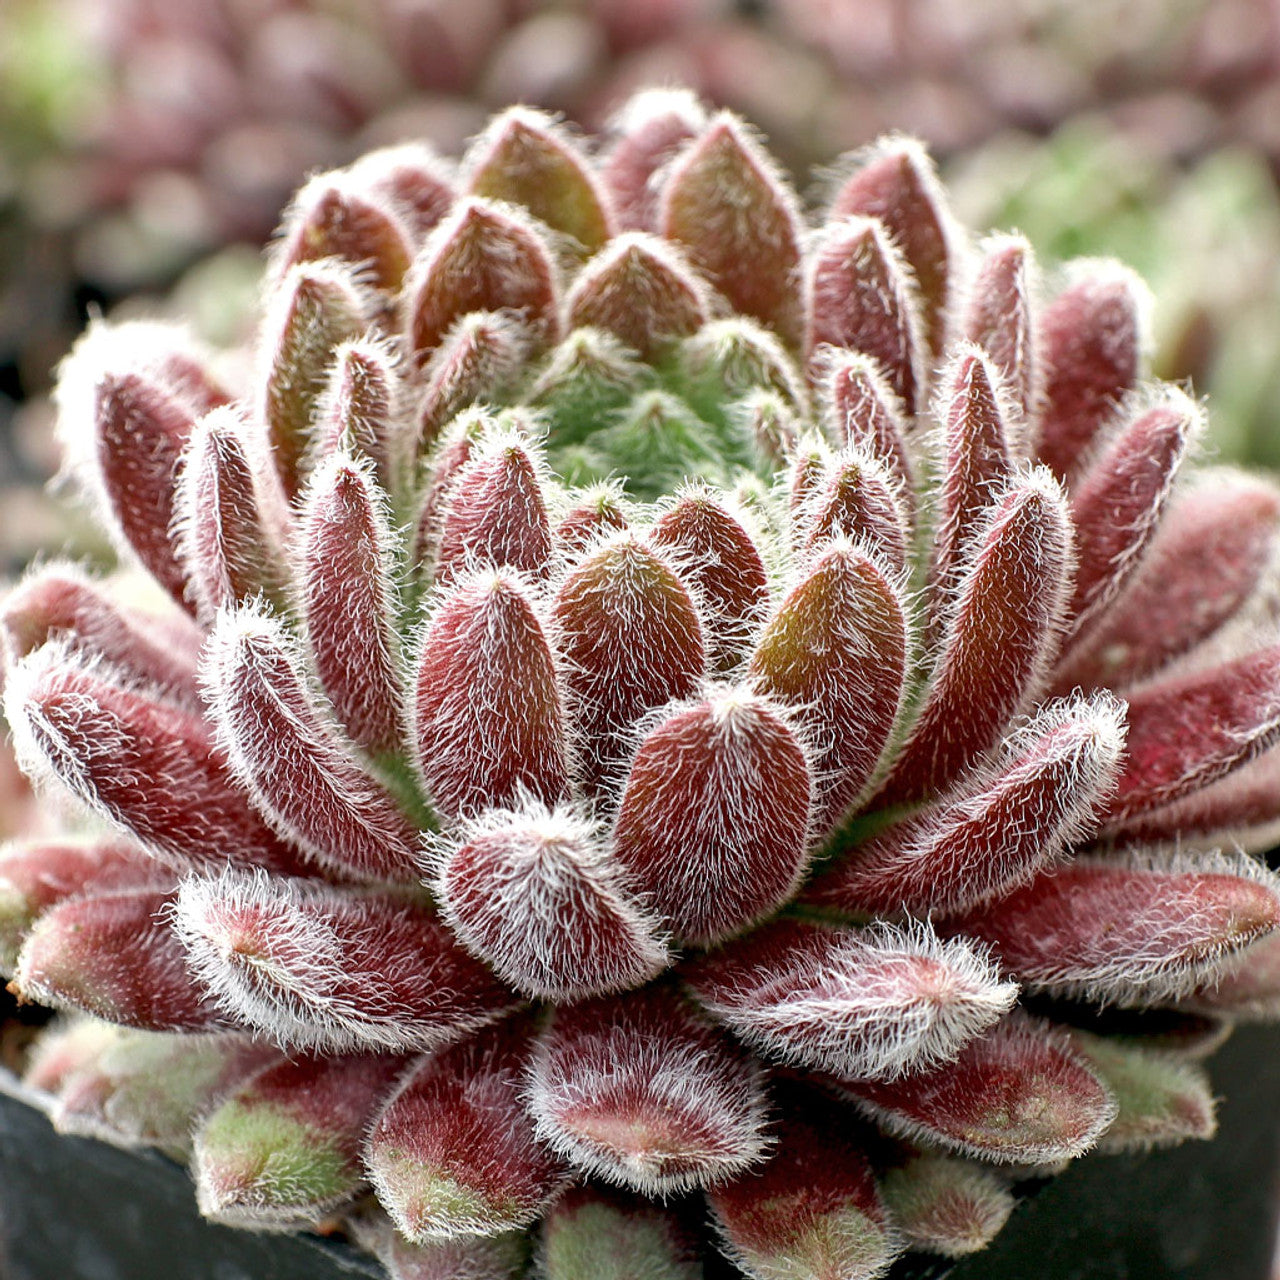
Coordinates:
column 999, row 316
column 649, row 132
column 453, row 1152
column 638, row 1091
column 836, row 653
column 488, row 725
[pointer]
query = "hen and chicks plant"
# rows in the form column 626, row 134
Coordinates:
column 680, row 725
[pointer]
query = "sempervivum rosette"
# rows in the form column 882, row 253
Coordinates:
column 669, row 714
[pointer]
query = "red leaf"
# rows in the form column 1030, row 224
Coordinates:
column 1016, row 1094
column 836, row 653
column 860, row 500
column 719, row 559
column 453, row 1152
column 1090, row 342
column 481, row 258
column 1129, row 934
column 649, row 132
column 639, row 1092
column 1189, row 730
column 523, row 158
column 728, row 778
column 1207, row 559
column 146, row 765
column 859, row 296
column 348, row 599
column 628, row 635
column 638, row 288
column 489, row 725
column 813, row 1209
column 998, row 828
column 1001, row 635
column 896, row 183
column 284, row 1149
column 864, row 1004
column 537, row 896
column 114, row 956
column 337, row 215
column 999, row 316
column 290, row 759
column 316, row 968
column 730, row 209
column 495, row 515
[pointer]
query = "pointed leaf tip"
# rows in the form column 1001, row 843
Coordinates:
column 489, row 724
column 739, row 223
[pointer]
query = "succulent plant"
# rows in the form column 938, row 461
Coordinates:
column 665, row 709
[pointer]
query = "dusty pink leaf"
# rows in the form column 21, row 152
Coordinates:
column 946, row 1205
column 863, row 1004
column 488, row 722
column 148, row 766
column 539, row 897
column 233, row 518
column 315, row 308
column 1128, row 933
column 336, row 215
column 739, row 222
column 127, row 398
column 453, row 1152
column 362, row 410
column 284, row 1149
column 62, row 601
column 1207, row 560
column 483, row 257
column 348, row 600
column 115, row 956
column 478, row 359
column 896, row 183
column 1118, row 503
column 998, row 828
column 1239, row 810
column 649, row 132
column 977, row 460
column 495, row 515
column 813, row 1208
column 38, row 874
column 629, row 636
column 859, row 296
column 64, row 1050
column 638, row 1091
column 290, row 759
column 999, row 316
column 413, row 178
column 805, row 474
column 524, row 158
column 719, row 559
column 597, row 513
column 728, row 778
column 642, row 291
column 836, row 654
column 1017, row 1094
column 451, row 454
column 861, row 409
column 1002, row 632
column 860, row 500
column 316, row 968
column 1089, row 343
column 1189, row 730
